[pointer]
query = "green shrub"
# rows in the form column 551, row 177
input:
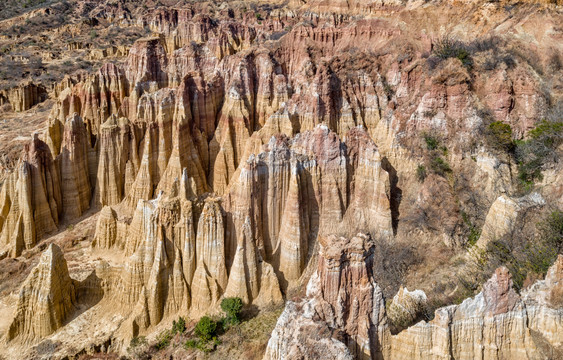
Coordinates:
column 539, row 149
column 440, row 166
column 178, row 327
column 205, row 329
column 548, row 132
column 474, row 232
column 421, row 173
column 447, row 47
column 464, row 56
column 431, row 142
column 164, row 339
column 191, row 344
column 551, row 231
column 232, row 308
column 499, row 136
column 474, row 235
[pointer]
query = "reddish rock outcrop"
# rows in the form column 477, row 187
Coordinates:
column 76, row 190
column 231, row 145
column 344, row 304
column 497, row 322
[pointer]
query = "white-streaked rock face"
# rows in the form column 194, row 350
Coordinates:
column 232, row 156
column 503, row 214
column 342, row 299
column 498, row 323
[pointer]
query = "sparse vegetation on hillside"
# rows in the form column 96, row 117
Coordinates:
column 447, row 47
column 486, row 53
column 54, row 42
column 207, row 330
column 392, row 263
column 499, row 136
column 533, row 154
column 434, row 160
column 164, row 339
column 421, row 173
column 474, row 231
column 137, row 347
column 11, row 8
column 431, row 141
column 178, row 327
column 440, row 166
column 551, row 231
column 540, row 149
column 525, row 255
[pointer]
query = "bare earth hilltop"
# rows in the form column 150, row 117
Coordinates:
column 372, row 179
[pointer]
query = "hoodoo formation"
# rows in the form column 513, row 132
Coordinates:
column 267, row 180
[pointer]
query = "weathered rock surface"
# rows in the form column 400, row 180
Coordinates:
column 23, row 97
column 503, row 215
column 46, row 299
column 31, row 199
column 497, row 323
column 76, row 190
column 225, row 152
column 106, row 229
column 406, row 306
column 344, row 307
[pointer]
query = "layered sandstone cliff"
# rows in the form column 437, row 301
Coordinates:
column 239, row 153
column 31, row 199
column 23, row 97
column 497, row 323
column 46, row 299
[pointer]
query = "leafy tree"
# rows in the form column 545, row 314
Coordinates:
column 232, row 308
column 206, row 329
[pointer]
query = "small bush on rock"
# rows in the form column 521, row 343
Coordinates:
column 499, row 136
column 232, row 308
column 205, row 329
column 164, row 340
column 178, row 327
column 539, row 149
column 421, row 173
column 447, row 47
column 440, row 166
column 431, row 141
